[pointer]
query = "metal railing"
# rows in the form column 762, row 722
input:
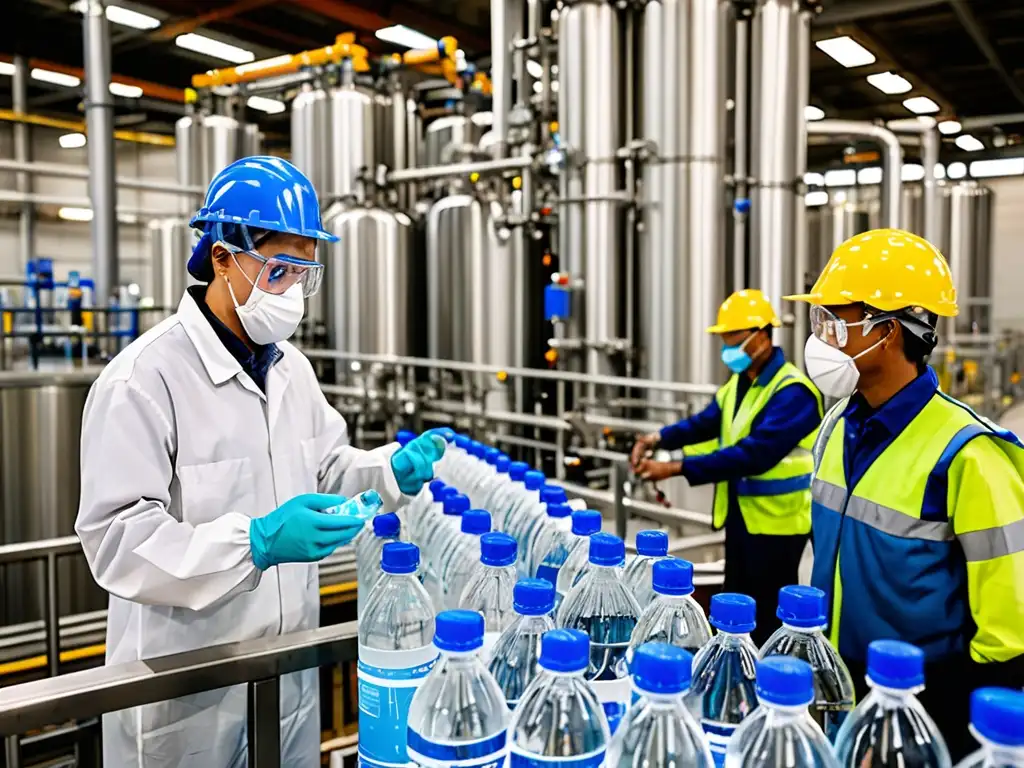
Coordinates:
column 256, row 663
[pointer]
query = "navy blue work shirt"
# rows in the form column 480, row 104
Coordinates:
column 256, row 362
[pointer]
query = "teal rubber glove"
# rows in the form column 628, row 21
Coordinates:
column 301, row 531
column 413, row 463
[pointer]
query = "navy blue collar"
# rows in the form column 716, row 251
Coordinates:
column 899, row 410
column 775, row 362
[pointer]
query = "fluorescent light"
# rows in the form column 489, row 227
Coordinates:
column 6, row 68
column 889, row 82
column 818, row 197
column 846, row 177
column 1004, row 166
column 123, row 16
column 535, row 69
column 75, row 214
column 814, row 179
column 263, row 104
column 956, row 170
column 72, row 140
column 968, row 143
column 400, row 34
column 846, row 51
column 921, row 105
column 940, row 171
column 538, row 87
column 813, row 113
column 56, row 78
column 869, row 175
column 949, row 127
column 214, row 48
column 129, row 91
column 264, row 64
column 911, row 172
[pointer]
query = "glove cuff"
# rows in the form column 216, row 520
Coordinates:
column 257, row 545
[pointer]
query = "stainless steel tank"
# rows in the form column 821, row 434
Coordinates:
column 40, row 427
column 170, row 243
column 355, row 138
column 970, row 255
column 311, row 137
column 207, row 143
column 847, row 213
column 445, row 133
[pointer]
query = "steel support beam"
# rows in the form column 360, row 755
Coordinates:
column 858, row 10
column 170, row 31
column 23, row 153
column 973, row 28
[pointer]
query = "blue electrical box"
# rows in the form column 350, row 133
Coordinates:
column 557, row 303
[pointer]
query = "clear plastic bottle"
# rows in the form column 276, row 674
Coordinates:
column 552, row 545
column 486, row 478
column 722, row 691
column 515, row 660
column 781, row 732
column 559, row 721
column 440, row 540
column 474, row 468
column 509, row 498
column 539, row 526
column 362, row 506
column 462, row 557
column 523, row 511
column 369, row 546
column 674, row 617
column 651, row 546
column 890, row 727
column 456, row 461
column 658, row 731
column 458, row 715
column 426, row 513
column 395, row 655
column 606, row 610
column 488, row 590
column 585, row 523
column 498, row 488
column 802, row 611
column 997, row 721
column 449, row 438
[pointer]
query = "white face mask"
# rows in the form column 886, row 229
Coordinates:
column 268, row 317
column 833, row 371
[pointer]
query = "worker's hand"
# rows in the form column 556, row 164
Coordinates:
column 299, row 531
column 413, row 464
column 658, row 470
column 644, row 444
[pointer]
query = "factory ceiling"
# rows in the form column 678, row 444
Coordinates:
column 965, row 56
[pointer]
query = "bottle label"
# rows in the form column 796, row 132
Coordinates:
column 482, row 753
column 718, row 739
column 614, row 696
column 521, row 759
column 387, row 682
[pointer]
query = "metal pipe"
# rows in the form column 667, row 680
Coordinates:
column 428, row 173
column 22, row 153
column 99, row 119
column 501, row 75
column 52, row 616
column 264, row 730
column 987, row 121
column 930, row 142
column 893, row 157
column 741, row 171
column 670, row 515
column 800, row 246
column 67, row 171
column 77, row 202
column 617, row 481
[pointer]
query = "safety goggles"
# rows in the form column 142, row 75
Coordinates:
column 835, row 331
column 279, row 273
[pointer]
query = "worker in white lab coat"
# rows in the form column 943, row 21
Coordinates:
column 208, row 455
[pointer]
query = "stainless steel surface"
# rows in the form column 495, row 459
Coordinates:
column 970, row 256
column 741, row 139
column 800, row 317
column 355, row 122
column 502, row 25
column 99, row 118
column 264, row 742
column 204, row 145
column 931, row 224
column 441, row 133
column 452, row 170
column 170, row 243
column 669, row 515
column 312, row 139
column 22, row 153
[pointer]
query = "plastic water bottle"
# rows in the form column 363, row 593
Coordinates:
column 722, row 690
column 605, row 609
column 362, row 506
column 475, row 468
column 553, row 544
column 498, row 488
column 651, row 546
column 519, row 515
column 395, row 655
column 585, row 523
column 515, row 660
column 485, row 477
column 369, row 546
column 458, row 715
column 455, row 462
column 997, row 721
column 509, row 499
column 488, row 591
column 674, row 617
column 559, row 721
column 462, row 557
column 802, row 611
column 425, row 511
column 658, row 731
column 538, row 526
column 441, row 539
column 890, row 727
column 781, row 732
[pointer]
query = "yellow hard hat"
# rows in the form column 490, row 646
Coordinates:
column 888, row 269
column 745, row 309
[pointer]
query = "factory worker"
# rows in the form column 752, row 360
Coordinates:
column 762, row 423
column 209, row 455
column 918, row 513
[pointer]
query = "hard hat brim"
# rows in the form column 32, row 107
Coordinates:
column 774, row 322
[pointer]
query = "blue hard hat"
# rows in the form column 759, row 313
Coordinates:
column 265, row 193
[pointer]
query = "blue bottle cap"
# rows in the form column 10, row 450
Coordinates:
column 552, row 494
column 895, row 664
column 534, row 480
column 673, row 577
column 785, row 681
column 652, row 543
column 606, row 549
column 997, row 714
column 502, row 464
column 476, row 521
column 564, row 650
column 559, row 510
column 586, row 522
column 447, row 433
column 400, row 557
column 456, row 504
column 463, row 442
column 497, row 549
column 491, row 455
column 459, row 631
column 733, row 613
column 404, row 437
column 477, row 449
column 435, row 488
column 533, row 597
column 386, row 525
column 661, row 668
column 802, row 607
column 517, row 470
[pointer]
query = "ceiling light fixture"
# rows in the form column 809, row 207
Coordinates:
column 263, row 104
column 1003, row 166
column 72, row 141
column 846, row 51
column 921, row 105
column 949, row 127
column 969, row 143
column 55, row 78
column 813, row 113
column 889, row 82
column 399, row 34
column 845, row 177
column 814, row 179
column 911, row 172
column 816, row 198
column 123, row 16
column 6, row 68
column 535, row 69
column 214, row 48
column 870, row 175
column 128, row 91
column 75, row 214
column 956, row 170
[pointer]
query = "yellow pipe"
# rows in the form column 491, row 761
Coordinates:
column 442, row 54
column 137, row 137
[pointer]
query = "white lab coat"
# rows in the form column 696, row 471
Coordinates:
column 180, row 450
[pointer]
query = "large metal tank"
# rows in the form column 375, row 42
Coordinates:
column 970, row 255
column 448, row 136
column 170, row 243
column 356, row 118
column 311, row 137
column 40, row 427
column 207, row 143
